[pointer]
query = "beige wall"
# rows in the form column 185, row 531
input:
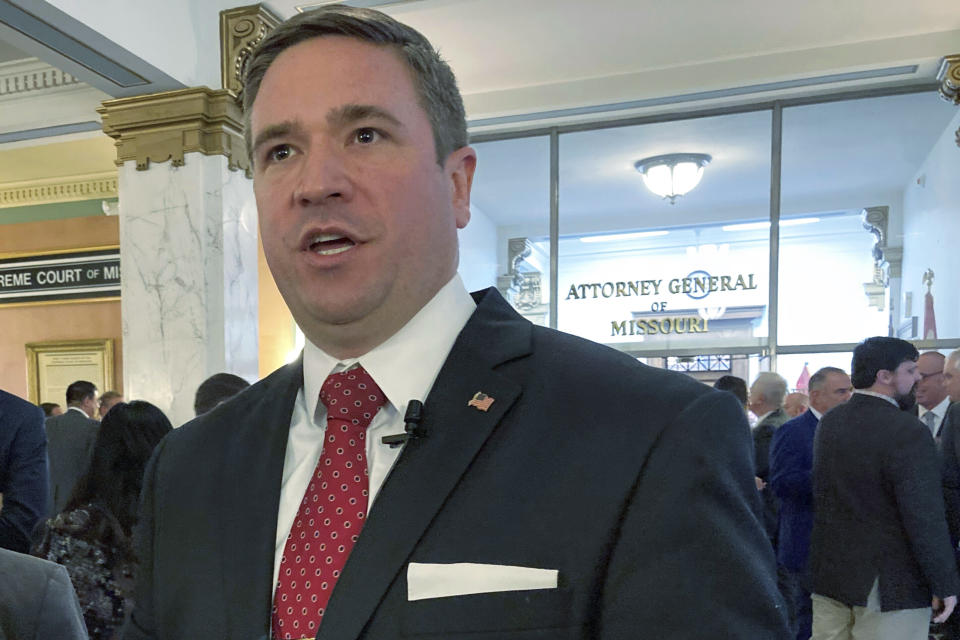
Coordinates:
column 22, row 324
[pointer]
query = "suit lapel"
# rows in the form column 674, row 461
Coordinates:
column 429, row 468
column 252, row 472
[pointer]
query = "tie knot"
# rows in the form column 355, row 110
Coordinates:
column 352, row 396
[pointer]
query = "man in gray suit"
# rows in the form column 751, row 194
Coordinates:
column 950, row 445
column 37, row 600
column 70, row 440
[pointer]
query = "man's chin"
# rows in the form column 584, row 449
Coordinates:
column 906, row 400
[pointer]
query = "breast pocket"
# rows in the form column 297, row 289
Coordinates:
column 538, row 613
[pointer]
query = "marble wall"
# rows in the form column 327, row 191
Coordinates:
column 189, row 289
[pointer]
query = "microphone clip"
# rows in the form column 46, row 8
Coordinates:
column 411, row 426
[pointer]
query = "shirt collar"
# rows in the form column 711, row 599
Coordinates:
column 815, row 413
column 867, row 392
column 939, row 411
column 82, row 412
column 406, row 364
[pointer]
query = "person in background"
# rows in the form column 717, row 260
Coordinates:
column 736, row 386
column 880, row 552
column 766, row 402
column 107, row 400
column 796, row 403
column 932, row 399
column 51, row 409
column 23, row 471
column 70, row 440
column 216, row 389
column 37, row 600
column 92, row 537
column 791, row 470
column 950, row 449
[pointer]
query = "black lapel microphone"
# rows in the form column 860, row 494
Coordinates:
column 411, row 426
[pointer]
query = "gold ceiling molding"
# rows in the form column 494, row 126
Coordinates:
column 53, row 190
column 241, row 30
column 27, row 76
column 164, row 126
column 949, row 77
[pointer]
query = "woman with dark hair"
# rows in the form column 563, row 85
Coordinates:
column 92, row 536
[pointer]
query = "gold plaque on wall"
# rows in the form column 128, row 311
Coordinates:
column 53, row 366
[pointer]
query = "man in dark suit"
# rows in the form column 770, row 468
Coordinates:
column 70, row 439
column 547, row 487
column 880, row 551
column 766, row 402
column 37, row 600
column 23, row 471
column 791, row 468
column 951, row 444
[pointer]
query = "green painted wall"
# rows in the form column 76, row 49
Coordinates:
column 56, row 211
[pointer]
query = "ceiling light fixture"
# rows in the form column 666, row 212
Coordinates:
column 616, row 237
column 672, row 175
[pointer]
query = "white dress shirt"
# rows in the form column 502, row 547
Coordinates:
column 939, row 412
column 404, row 367
column 867, row 392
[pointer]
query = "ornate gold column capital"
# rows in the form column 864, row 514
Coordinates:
column 949, row 77
column 241, row 30
column 164, row 126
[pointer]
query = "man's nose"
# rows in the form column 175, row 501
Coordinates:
column 323, row 176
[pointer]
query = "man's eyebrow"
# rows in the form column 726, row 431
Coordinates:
column 278, row 130
column 350, row 113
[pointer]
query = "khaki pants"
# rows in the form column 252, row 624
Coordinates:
column 834, row 620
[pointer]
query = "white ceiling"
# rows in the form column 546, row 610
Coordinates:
column 529, row 56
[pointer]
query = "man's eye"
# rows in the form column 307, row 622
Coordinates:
column 279, row 153
column 367, row 135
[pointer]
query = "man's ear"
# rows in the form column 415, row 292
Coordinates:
column 460, row 166
column 884, row 376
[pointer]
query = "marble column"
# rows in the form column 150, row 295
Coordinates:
column 188, row 245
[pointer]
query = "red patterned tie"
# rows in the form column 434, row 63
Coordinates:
column 333, row 507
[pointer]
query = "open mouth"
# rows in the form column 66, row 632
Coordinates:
column 330, row 244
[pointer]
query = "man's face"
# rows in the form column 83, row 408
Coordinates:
column 755, row 401
column 903, row 380
column 795, row 404
column 836, row 389
column 106, row 404
column 358, row 221
column 951, row 379
column 930, row 390
column 89, row 404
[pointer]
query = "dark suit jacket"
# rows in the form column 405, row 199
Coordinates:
column 635, row 483
column 762, row 438
column 23, row 471
column 791, row 469
column 70, row 439
column 37, row 601
column 878, row 509
column 950, row 454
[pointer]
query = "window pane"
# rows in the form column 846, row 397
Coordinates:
column 507, row 244
column 891, row 162
column 645, row 275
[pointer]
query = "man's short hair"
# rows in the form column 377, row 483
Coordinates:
column 772, row 387
column 216, row 389
column 432, row 77
column 876, row 354
column 819, row 379
column 107, row 396
column 733, row 384
column 48, row 408
column 80, row 391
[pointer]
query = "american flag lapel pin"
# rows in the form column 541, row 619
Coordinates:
column 480, row 401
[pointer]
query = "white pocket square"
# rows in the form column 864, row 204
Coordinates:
column 427, row 580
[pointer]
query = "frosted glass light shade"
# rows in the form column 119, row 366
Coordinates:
column 673, row 175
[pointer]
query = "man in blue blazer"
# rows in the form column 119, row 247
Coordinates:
column 547, row 488
column 23, row 471
column 791, row 467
